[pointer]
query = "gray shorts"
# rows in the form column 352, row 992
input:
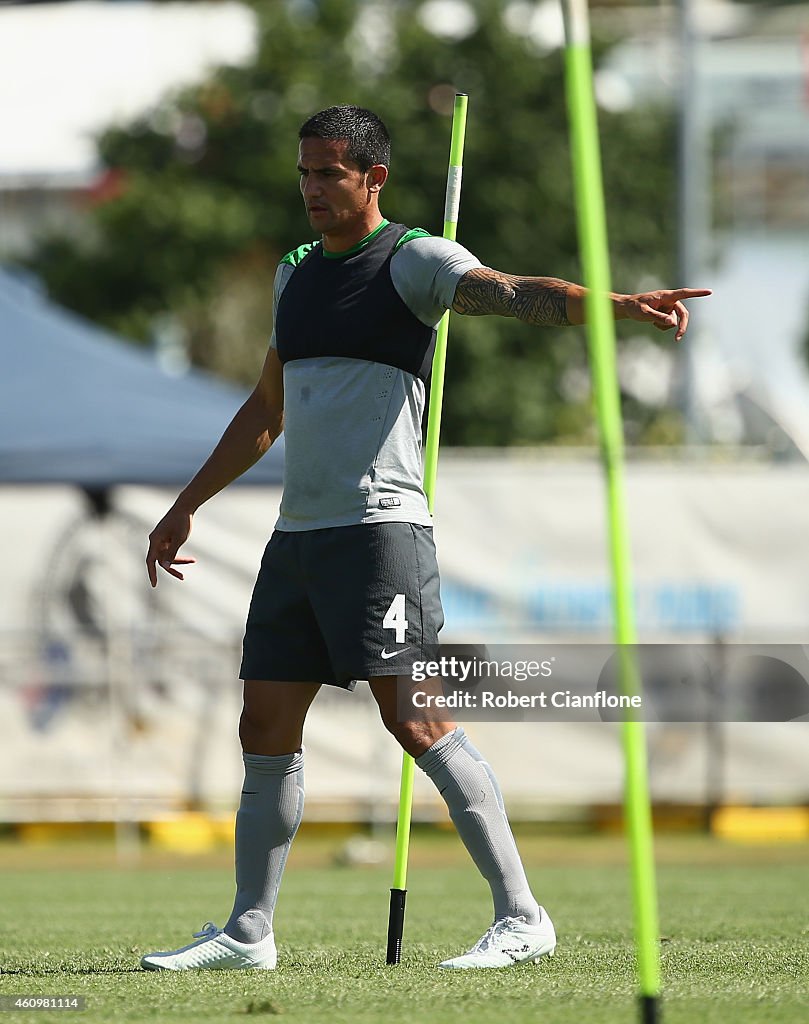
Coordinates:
column 342, row 604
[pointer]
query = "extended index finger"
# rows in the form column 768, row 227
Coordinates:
column 153, row 556
column 160, row 550
column 678, row 294
column 151, row 565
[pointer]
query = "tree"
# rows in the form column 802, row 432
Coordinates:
column 207, row 200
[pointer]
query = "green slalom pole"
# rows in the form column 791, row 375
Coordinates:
column 451, row 207
column 398, row 893
column 601, row 333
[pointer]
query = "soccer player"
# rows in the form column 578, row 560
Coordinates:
column 348, row 587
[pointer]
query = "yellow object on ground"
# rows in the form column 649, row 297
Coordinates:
column 761, row 824
column 190, row 833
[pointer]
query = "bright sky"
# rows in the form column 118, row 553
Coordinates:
column 67, row 70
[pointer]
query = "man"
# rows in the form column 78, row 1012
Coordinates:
column 348, row 587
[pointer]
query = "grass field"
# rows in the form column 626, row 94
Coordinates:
column 735, row 946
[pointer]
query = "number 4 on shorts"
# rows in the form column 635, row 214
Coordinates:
column 395, row 618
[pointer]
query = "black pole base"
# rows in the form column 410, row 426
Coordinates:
column 396, row 925
column 650, row 1010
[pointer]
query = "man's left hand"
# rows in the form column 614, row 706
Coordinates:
column 664, row 309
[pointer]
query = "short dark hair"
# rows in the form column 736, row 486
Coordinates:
column 366, row 134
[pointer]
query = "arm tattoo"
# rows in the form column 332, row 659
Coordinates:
column 541, row 301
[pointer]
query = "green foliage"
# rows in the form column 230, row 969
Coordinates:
column 209, row 200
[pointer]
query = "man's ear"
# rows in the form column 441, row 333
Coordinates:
column 376, row 177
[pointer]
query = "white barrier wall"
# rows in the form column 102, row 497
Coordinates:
column 716, row 549
column 119, row 701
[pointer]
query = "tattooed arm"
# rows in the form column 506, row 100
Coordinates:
column 542, row 301
column 551, row 302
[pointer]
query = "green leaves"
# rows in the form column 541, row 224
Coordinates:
column 209, row 198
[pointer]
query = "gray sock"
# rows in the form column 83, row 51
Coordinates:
column 475, row 803
column 269, row 814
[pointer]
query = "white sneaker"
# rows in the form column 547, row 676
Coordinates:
column 509, row 941
column 215, row 951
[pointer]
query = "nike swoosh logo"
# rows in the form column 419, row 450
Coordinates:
column 515, row 953
column 392, row 654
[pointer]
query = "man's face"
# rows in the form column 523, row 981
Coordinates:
column 336, row 192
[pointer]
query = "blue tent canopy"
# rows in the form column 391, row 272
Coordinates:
column 80, row 406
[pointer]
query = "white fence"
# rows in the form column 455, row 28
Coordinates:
column 120, row 702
